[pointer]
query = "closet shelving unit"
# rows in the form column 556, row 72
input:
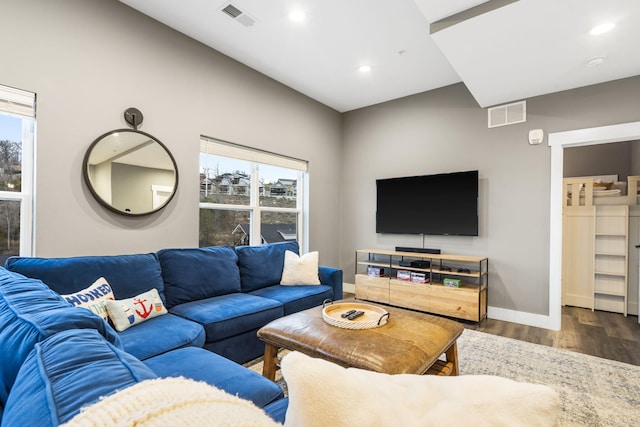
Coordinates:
column 595, row 255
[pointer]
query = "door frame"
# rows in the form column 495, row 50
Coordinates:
column 558, row 141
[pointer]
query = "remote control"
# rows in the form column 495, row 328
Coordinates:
column 347, row 313
column 355, row 315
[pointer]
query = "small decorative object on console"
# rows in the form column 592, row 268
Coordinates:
column 419, row 278
column 375, row 272
column 452, row 283
column 404, row 275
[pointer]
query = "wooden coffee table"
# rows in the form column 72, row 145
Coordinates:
column 410, row 342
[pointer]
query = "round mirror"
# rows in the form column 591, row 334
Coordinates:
column 130, row 172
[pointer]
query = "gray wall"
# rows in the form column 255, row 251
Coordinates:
column 601, row 159
column 90, row 60
column 444, row 131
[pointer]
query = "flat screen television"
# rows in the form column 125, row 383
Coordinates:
column 439, row 204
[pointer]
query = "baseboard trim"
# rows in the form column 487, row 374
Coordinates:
column 349, row 287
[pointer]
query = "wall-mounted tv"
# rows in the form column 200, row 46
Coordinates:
column 439, row 204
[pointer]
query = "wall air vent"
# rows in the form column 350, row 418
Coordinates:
column 238, row 15
column 507, row 114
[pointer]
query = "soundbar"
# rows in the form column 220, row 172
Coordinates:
column 418, row 250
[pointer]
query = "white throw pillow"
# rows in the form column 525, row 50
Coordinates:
column 323, row 394
column 93, row 298
column 125, row 313
column 300, row 270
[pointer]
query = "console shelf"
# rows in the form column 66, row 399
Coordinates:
column 468, row 302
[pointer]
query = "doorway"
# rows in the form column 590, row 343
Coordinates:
column 558, row 141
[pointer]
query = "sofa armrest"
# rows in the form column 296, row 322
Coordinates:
column 331, row 277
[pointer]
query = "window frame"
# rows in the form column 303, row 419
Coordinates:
column 21, row 104
column 255, row 158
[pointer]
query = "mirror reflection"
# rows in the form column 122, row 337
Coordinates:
column 130, row 172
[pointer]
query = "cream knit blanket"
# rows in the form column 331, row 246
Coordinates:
column 172, row 402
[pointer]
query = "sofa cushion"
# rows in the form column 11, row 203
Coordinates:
column 228, row 315
column 128, row 275
column 29, row 313
column 296, row 298
column 65, row 372
column 124, row 313
column 241, row 348
column 93, row 298
column 193, row 274
column 322, row 393
column 161, row 334
column 202, row 365
column 262, row 265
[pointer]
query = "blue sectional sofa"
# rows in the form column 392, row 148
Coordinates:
column 217, row 297
column 57, row 358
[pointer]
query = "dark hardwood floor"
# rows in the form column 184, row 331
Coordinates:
column 598, row 333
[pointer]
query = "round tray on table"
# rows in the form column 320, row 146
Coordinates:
column 373, row 316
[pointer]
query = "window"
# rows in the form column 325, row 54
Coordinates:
column 250, row 197
column 17, row 113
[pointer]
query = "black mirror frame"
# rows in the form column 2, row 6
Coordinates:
column 85, row 173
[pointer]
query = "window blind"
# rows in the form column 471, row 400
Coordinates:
column 17, row 102
column 228, row 149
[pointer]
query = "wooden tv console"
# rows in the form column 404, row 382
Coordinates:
column 468, row 302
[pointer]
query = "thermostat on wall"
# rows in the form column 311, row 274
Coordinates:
column 536, row 136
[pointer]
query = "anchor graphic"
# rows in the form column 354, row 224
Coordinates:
column 145, row 311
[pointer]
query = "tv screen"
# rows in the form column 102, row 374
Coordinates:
column 440, row 204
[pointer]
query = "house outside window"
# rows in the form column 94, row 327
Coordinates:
column 17, row 125
column 249, row 196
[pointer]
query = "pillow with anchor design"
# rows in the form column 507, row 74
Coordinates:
column 125, row 313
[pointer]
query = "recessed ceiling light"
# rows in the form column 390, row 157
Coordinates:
column 602, row 28
column 364, row 68
column 297, row 16
column 594, row 62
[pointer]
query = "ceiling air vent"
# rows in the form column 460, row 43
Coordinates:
column 507, row 114
column 238, row 15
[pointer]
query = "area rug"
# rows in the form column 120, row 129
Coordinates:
column 593, row 391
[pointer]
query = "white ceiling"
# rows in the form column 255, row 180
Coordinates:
column 523, row 49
